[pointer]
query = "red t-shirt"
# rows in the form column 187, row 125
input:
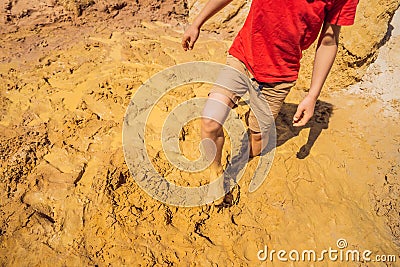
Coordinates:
column 276, row 32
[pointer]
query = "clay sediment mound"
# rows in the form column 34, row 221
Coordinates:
column 15, row 14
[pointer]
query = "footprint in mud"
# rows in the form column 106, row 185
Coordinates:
column 231, row 198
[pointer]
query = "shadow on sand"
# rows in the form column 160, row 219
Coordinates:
column 285, row 131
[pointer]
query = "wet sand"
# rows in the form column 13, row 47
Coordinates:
column 69, row 199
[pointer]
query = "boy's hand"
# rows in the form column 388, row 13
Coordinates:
column 190, row 37
column 305, row 111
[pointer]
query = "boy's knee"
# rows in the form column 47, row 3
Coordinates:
column 210, row 126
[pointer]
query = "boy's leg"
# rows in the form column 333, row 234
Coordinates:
column 220, row 102
column 212, row 129
column 256, row 143
column 214, row 115
column 275, row 94
column 215, row 112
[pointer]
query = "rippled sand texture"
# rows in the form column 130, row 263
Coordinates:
column 68, row 197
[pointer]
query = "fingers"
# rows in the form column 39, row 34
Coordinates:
column 191, row 44
column 190, row 38
column 304, row 112
column 185, row 43
column 298, row 116
column 301, row 118
column 303, row 121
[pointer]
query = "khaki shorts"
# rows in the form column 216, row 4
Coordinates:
column 274, row 93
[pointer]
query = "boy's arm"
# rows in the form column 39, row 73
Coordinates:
column 192, row 33
column 324, row 58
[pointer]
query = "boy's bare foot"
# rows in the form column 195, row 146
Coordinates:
column 216, row 191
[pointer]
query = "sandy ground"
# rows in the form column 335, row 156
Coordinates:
column 69, row 199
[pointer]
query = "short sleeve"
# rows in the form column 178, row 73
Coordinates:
column 342, row 12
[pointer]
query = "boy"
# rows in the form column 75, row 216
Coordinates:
column 268, row 49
